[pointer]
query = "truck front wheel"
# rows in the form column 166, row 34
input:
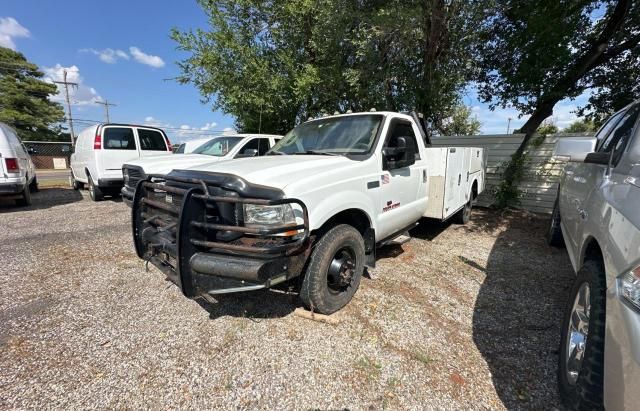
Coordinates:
column 334, row 271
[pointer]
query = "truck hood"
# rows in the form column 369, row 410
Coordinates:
column 164, row 164
column 279, row 171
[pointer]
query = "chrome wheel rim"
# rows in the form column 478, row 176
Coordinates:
column 578, row 333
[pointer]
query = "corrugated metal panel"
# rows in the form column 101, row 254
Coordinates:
column 540, row 183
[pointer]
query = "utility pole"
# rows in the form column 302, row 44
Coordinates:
column 66, row 91
column 106, row 105
column 509, row 125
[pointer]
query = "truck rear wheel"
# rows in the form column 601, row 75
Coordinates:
column 464, row 215
column 554, row 234
column 334, row 271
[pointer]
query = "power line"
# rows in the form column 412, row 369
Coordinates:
column 66, row 91
column 181, row 130
column 106, row 105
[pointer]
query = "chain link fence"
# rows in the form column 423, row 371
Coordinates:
column 49, row 154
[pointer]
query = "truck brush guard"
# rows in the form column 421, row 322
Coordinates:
column 191, row 226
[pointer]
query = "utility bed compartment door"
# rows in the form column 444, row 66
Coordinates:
column 448, row 173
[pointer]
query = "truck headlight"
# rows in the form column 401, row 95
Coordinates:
column 629, row 286
column 268, row 215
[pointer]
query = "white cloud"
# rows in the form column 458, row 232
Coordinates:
column 228, row 130
column 80, row 95
column 148, row 59
column 108, row 55
column 208, row 126
column 185, row 127
column 10, row 29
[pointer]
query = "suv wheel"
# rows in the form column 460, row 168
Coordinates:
column 581, row 359
column 94, row 191
column 34, row 185
column 334, row 271
column 554, row 233
column 25, row 200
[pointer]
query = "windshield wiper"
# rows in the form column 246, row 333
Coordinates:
column 316, row 152
column 275, row 152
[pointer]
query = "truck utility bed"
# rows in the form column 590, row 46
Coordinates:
column 451, row 170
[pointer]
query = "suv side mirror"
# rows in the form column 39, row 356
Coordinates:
column 250, row 152
column 598, row 158
column 402, row 155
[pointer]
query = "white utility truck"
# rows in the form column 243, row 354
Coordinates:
column 315, row 207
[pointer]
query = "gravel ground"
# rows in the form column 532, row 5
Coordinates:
column 458, row 318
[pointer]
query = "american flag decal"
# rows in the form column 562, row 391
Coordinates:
column 385, row 179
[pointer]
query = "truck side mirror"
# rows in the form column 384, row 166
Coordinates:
column 402, row 155
column 598, row 158
column 250, row 152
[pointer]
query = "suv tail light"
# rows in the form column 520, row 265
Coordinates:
column 12, row 165
column 97, row 142
column 629, row 286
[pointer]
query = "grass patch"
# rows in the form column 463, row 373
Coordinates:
column 422, row 357
column 371, row 369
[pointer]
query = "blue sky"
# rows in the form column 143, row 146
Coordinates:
column 121, row 51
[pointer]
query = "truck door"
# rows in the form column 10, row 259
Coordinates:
column 582, row 183
column 403, row 196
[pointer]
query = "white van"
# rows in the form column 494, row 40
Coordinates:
column 101, row 150
column 17, row 172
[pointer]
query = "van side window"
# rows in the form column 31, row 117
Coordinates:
column 618, row 138
column 119, row 138
column 151, row 140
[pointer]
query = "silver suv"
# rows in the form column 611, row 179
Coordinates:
column 597, row 217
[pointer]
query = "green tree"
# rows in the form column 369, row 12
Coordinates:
column 546, row 128
column 24, row 98
column 461, row 123
column 581, row 126
column 538, row 52
column 273, row 64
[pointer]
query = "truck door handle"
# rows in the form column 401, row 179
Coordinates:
column 459, row 178
column 424, row 176
column 582, row 213
column 452, row 150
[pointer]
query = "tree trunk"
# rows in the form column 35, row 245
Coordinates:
column 593, row 57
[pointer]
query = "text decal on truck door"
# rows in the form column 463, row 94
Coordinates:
column 390, row 206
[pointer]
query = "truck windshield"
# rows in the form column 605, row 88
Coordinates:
column 218, row 147
column 334, row 135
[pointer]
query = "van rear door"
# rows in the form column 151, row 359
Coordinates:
column 118, row 147
column 152, row 142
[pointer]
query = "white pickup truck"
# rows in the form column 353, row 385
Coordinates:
column 315, row 207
